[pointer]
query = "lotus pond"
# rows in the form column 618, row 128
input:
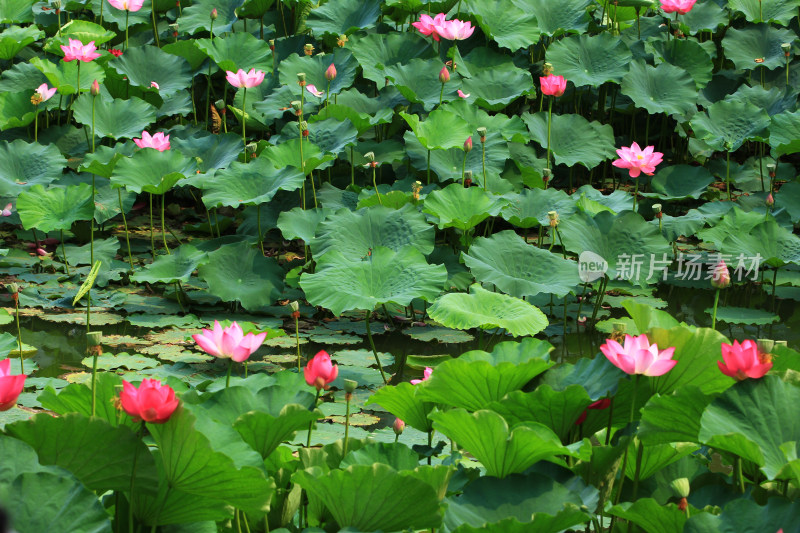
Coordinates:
column 404, row 265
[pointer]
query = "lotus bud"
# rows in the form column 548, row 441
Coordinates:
column 547, row 69
column 95, row 90
column 482, row 133
column 721, row 277
column 765, row 345
column 771, row 170
column 330, row 72
column 770, row 201
column 370, row 156
column 657, row 210
column 468, row 144
column 308, row 49
column 214, row 14
column 546, row 175
column 342, row 40
column 680, row 487
column 787, row 49
column 553, row 216
column 94, row 338
column 301, row 79
column 350, row 386
column 444, row 75
column 398, row 426
column 271, row 44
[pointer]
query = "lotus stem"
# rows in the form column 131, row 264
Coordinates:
column 124, row 223
column 58, row 14
column 714, row 313
column 163, row 230
column 155, row 27
column 352, row 168
column 244, row 121
column 372, row 344
column 258, row 222
column 64, row 252
column 311, row 424
column 374, row 184
column 133, row 478
column 441, row 95
column 347, row 397
column 610, row 420
column 152, row 238
column 327, row 94
column 728, row 175
column 36, row 125
column 737, row 471
column 228, row 376
column 94, row 364
column 314, row 187
column 429, row 167
column 635, row 192
column 639, row 455
column 483, row 166
column 297, row 338
column 549, row 121
column 126, row 25
column 630, row 421
column 19, row 333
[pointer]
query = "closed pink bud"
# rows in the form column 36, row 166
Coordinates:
column 330, row 73
column 468, row 144
column 770, row 200
column 214, row 14
column 398, row 426
column 721, row 278
column 444, row 75
column 95, row 90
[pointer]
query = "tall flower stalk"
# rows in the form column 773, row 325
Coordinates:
column 553, row 86
column 243, row 80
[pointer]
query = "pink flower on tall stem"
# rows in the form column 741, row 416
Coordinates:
column 553, row 85
column 638, row 356
column 241, row 78
column 151, row 402
column 230, row 342
column 10, row 386
column 429, row 26
column 637, row 160
column 425, row 375
column 159, row 141
column 45, row 93
column 319, row 371
column 77, row 51
column 677, row 6
column 127, row 5
column 330, row 72
column 744, row 360
column 455, row 30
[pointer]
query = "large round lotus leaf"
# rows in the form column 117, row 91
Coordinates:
column 446, row 164
column 508, row 24
column 287, row 154
column 117, row 16
column 314, row 68
column 146, row 64
column 384, row 276
column 440, row 130
column 189, row 51
column 494, row 88
column 705, row 16
column 56, row 208
column 662, row 89
column 302, row 224
column 196, row 17
column 16, row 109
column 518, row 268
column 15, row 38
column 64, row 76
column 361, row 121
column 114, row 118
column 23, row 77
column 511, row 128
column 375, row 52
column 780, row 11
column 742, row 514
column 590, row 60
column 624, row 241
column 734, row 221
column 404, row 401
column 557, row 17
column 330, row 135
column 757, row 42
column 149, row 170
column 557, row 410
column 353, row 234
column 357, row 497
column 255, row 8
column 464, row 208
column 773, row 100
column 15, row 12
column 727, row 124
column 238, row 50
column 239, row 272
column 23, row 165
column 573, row 139
column 755, row 420
column 251, row 183
column 178, row 266
column 103, row 160
column 529, row 208
column 214, row 151
column 418, row 81
column 784, row 133
column 82, row 30
column 343, row 16
column 488, row 310
column 264, row 432
column 679, row 182
column 688, row 55
column 773, row 244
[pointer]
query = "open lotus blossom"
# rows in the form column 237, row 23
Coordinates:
column 455, row 30
column 428, row 26
column 151, row 402
column 638, row 356
column 553, row 85
column 637, row 160
column 10, row 386
column 313, row 90
column 127, row 5
column 6, row 212
column 45, row 93
column 230, row 342
column 462, row 94
column 77, row 51
column 240, row 78
column 744, row 360
column 425, row 375
column 159, row 141
column 598, row 405
column 319, row 371
column 677, row 6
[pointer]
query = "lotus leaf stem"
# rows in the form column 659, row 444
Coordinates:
column 630, row 421
column 297, row 338
column 19, row 334
column 372, row 344
column 152, row 239
column 124, row 223
column 347, row 398
column 163, row 230
column 549, row 122
column 133, row 478
column 244, row 121
column 228, row 376
column 638, row 470
column 126, row 26
column 64, row 252
column 311, row 424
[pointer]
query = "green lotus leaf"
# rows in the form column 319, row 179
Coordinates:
column 342, row 283
column 264, row 432
column 177, row 266
column 774, row 244
column 15, row 38
column 146, row 64
column 494, row 88
column 117, row 16
column 757, row 41
column 446, row 164
column 103, row 160
column 251, row 183
column 214, row 151
column 361, row 121
column 651, row 515
column 488, row 310
column 238, row 51
column 149, row 170
column 344, row 17
column 394, row 454
column 188, row 50
column 64, row 76
column 16, row 11
column 440, row 130
column 354, row 233
column 744, row 315
column 254, row 9
column 753, row 419
column 679, row 182
column 661, row 89
column 404, row 400
column 510, row 128
column 462, row 208
column 287, row 154
column 355, row 496
column 23, row 165
column 784, row 133
column 507, row 23
column 518, row 268
column 590, row 60
column 705, row 16
column 502, row 450
column 77, row 398
column 529, row 208
column 314, row 68
column 84, row 31
column 573, row 139
column 114, row 117
column 375, row 52
column 743, row 513
column 196, row 16
column 554, row 18
column 780, row 11
column 673, row 417
column 302, row 224
column 16, row 110
column 686, row 54
column 239, row 272
column 332, row 136
column 56, row 208
column 418, row 81
column 557, row 410
column 734, row 221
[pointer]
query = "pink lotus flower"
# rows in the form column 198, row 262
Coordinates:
column 6, row 212
column 127, row 5
column 553, row 85
column 76, row 50
column 468, row 144
column 425, row 375
column 463, row 94
column 444, row 75
column 720, row 278
column 319, row 371
column 677, row 6
column 330, row 72
column 230, row 342
column 429, row 26
column 154, row 85
column 45, row 93
column 637, row 160
column 455, row 30
column 598, row 405
column 159, row 141
column 151, row 402
column 638, row 356
column 313, row 90
column 241, row 78
column 744, row 360
column 398, row 426
column 10, row 386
